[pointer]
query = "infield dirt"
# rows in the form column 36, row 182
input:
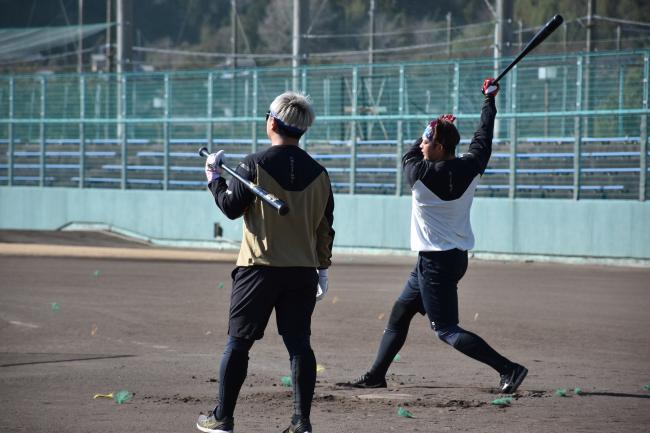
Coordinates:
column 157, row 329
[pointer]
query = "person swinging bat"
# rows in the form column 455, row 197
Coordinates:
column 442, row 186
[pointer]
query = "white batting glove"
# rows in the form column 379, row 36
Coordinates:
column 323, row 284
column 213, row 169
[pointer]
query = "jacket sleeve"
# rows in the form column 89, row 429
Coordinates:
column 325, row 234
column 480, row 148
column 234, row 198
column 413, row 163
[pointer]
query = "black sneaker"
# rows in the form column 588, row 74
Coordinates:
column 303, row 426
column 366, row 380
column 209, row 424
column 510, row 381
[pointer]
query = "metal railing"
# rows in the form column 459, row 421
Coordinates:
column 569, row 126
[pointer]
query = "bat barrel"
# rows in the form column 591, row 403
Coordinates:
column 539, row 37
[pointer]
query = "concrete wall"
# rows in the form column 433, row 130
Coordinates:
column 607, row 229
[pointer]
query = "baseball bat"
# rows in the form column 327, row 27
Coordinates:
column 259, row 191
column 539, row 37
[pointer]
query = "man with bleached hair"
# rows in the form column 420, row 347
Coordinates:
column 283, row 260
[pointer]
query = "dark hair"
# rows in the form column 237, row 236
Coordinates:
column 447, row 134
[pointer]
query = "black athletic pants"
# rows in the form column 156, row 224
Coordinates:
column 257, row 291
column 432, row 290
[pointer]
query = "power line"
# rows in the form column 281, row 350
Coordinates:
column 621, row 21
column 393, row 33
column 182, row 29
column 48, row 57
column 211, row 55
column 243, row 32
column 315, row 17
column 396, row 49
column 491, row 8
column 535, row 28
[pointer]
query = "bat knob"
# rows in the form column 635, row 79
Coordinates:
column 204, row 151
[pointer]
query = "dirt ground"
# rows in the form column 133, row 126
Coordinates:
column 157, row 329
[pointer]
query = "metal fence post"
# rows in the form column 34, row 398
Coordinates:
column 643, row 175
column 82, row 130
column 565, row 89
column 512, row 184
column 210, row 128
column 621, row 97
column 122, row 129
column 326, row 106
column 400, row 134
column 254, row 114
column 166, row 132
column 42, row 133
column 10, row 171
column 353, row 132
column 577, row 131
column 456, row 101
column 303, row 85
column 247, row 96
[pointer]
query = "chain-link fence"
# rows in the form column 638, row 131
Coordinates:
column 569, row 126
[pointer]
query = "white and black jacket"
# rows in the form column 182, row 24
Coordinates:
column 443, row 191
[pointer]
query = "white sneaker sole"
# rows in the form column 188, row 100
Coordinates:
column 209, row 430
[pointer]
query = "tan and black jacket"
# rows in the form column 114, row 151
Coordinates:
column 304, row 236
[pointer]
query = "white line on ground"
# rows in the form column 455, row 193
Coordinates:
column 24, row 324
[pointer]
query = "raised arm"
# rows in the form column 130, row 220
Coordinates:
column 480, row 147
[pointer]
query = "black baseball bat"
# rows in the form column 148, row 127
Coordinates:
column 539, row 37
column 259, row 191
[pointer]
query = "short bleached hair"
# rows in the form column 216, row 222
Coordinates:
column 293, row 109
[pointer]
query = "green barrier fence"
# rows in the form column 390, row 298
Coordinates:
column 569, row 126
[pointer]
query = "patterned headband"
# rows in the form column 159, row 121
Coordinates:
column 431, row 127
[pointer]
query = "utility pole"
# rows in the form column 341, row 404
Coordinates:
column 591, row 10
column 502, row 39
column 371, row 35
column 80, row 44
column 233, row 35
column 371, row 58
column 233, row 62
column 109, row 26
column 448, row 18
column 124, row 19
column 124, row 16
column 498, row 35
column 502, row 31
column 295, row 46
column 300, row 19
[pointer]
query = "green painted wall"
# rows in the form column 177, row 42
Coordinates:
column 586, row 228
